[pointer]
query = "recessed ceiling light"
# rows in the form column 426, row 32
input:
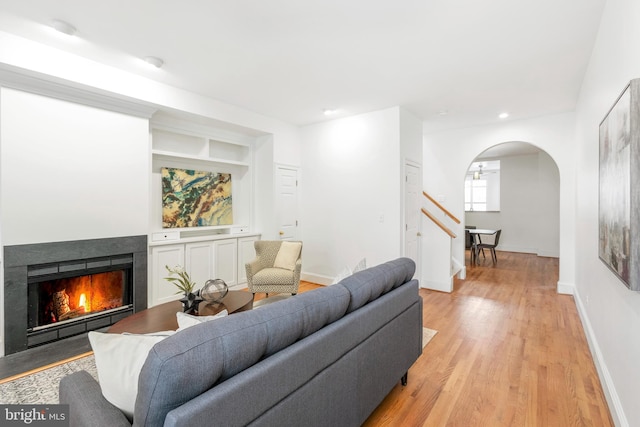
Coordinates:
column 329, row 112
column 63, row 27
column 152, row 60
column 503, row 115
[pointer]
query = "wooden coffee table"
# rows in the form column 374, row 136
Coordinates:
column 163, row 317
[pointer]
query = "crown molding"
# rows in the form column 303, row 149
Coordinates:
column 40, row 84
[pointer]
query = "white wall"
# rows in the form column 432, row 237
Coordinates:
column 493, row 191
column 264, row 186
column 548, row 209
column 70, row 172
column 529, row 215
column 351, row 169
column 611, row 313
column 448, row 155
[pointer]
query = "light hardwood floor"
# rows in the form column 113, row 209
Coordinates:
column 509, row 351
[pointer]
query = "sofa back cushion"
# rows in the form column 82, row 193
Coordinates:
column 195, row 359
column 369, row 284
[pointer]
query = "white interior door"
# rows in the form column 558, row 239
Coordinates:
column 287, row 203
column 413, row 183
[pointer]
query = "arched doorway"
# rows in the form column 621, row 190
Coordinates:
column 528, row 211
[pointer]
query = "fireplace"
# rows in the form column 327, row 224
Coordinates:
column 70, row 296
column 58, row 290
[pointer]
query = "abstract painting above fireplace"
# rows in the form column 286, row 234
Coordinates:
column 61, row 289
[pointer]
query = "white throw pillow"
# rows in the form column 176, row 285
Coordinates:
column 186, row 320
column 288, row 255
column 342, row 275
column 361, row 265
column 119, row 359
column 346, row 272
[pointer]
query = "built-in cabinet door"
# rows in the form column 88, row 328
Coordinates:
column 161, row 290
column 199, row 262
column 246, row 253
column 212, row 259
column 226, row 260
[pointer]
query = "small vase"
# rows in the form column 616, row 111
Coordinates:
column 190, row 303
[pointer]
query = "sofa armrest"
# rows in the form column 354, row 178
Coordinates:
column 87, row 406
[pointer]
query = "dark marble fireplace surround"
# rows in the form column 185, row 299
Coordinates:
column 18, row 258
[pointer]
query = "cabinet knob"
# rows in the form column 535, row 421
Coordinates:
column 281, row 233
column 419, row 234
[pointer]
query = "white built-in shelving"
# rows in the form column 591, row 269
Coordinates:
column 176, row 143
column 215, row 251
column 180, row 143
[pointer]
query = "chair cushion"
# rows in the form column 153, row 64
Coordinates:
column 287, row 256
column 273, row 276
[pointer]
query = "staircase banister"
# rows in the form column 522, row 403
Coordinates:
column 439, row 223
column 442, row 208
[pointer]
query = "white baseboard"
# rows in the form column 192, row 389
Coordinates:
column 519, row 249
column 565, row 288
column 320, row 279
column 456, row 266
column 549, row 254
column 436, row 286
column 613, row 400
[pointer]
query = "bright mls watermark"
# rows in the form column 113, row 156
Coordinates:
column 34, row 415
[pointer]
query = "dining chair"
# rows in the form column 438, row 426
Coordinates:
column 467, row 236
column 490, row 246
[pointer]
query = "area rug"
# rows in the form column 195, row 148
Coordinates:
column 271, row 299
column 41, row 386
column 427, row 335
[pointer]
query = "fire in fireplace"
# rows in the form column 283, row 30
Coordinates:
column 63, row 299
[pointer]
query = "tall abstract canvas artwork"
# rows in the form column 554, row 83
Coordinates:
column 619, row 193
column 195, row 198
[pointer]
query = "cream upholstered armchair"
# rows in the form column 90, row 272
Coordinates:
column 276, row 267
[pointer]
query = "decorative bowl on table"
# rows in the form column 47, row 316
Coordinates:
column 214, row 290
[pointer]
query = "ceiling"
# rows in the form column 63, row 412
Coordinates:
column 453, row 63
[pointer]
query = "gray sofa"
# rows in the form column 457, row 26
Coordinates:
column 326, row 357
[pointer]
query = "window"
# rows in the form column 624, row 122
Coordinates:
column 475, row 195
column 482, row 187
